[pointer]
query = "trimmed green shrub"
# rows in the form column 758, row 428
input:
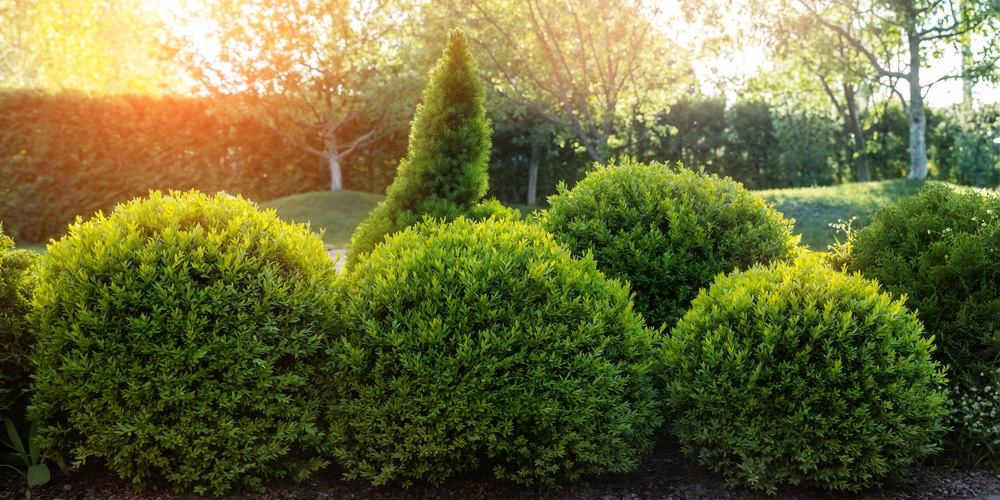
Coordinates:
column 941, row 249
column 487, row 347
column 179, row 338
column 444, row 174
column 17, row 284
column 798, row 374
column 667, row 232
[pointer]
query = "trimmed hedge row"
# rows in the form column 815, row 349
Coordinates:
column 68, row 154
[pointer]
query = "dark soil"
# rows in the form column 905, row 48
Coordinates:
column 665, row 474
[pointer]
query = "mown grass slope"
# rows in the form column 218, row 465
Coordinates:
column 336, row 213
column 814, row 209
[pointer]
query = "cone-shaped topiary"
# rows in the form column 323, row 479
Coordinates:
column 444, row 174
column 17, row 284
column 799, row 374
column 487, row 347
column 178, row 339
column 667, row 232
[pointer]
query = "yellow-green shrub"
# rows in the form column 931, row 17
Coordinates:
column 798, row 374
column 178, row 339
column 487, row 347
column 667, row 232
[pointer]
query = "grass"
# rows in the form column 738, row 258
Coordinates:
column 335, row 213
column 814, row 209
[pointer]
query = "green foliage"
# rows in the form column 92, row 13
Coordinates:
column 964, row 148
column 445, row 171
column 487, row 347
column 17, row 284
column 63, row 155
column 179, row 338
column 940, row 248
column 668, row 233
column 798, row 374
column 31, row 457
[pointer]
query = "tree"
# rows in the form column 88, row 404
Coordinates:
column 895, row 38
column 591, row 67
column 96, row 46
column 444, row 174
column 316, row 72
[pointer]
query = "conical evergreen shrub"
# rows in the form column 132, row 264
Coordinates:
column 444, row 174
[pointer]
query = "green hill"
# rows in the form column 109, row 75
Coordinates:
column 337, row 213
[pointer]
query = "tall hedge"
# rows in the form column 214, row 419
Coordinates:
column 444, row 174
column 63, row 155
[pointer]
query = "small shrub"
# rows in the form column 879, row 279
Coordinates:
column 798, row 374
column 941, row 249
column 444, row 174
column 17, row 285
column 178, row 339
column 486, row 347
column 666, row 232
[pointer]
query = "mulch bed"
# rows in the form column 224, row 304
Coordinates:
column 665, row 474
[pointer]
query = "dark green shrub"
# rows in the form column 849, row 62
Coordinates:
column 444, row 174
column 798, row 374
column 941, row 249
column 178, row 338
column 17, row 284
column 487, row 347
column 668, row 232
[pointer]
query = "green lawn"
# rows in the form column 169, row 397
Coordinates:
column 336, row 213
column 814, row 209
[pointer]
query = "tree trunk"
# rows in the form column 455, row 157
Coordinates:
column 860, row 145
column 918, row 122
column 333, row 160
column 536, row 155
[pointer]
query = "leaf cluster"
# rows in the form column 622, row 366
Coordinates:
column 798, row 374
column 178, row 338
column 666, row 231
column 474, row 347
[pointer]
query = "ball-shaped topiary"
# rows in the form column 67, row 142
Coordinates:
column 487, row 347
column 178, row 340
column 667, row 232
column 17, row 285
column 941, row 248
column 798, row 374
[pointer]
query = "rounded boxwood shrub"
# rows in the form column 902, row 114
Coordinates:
column 798, row 374
column 941, row 248
column 178, row 340
column 17, row 285
column 667, row 232
column 473, row 347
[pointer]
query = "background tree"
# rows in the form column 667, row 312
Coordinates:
column 96, row 46
column 590, row 67
column 444, row 174
column 316, row 72
column 895, row 39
